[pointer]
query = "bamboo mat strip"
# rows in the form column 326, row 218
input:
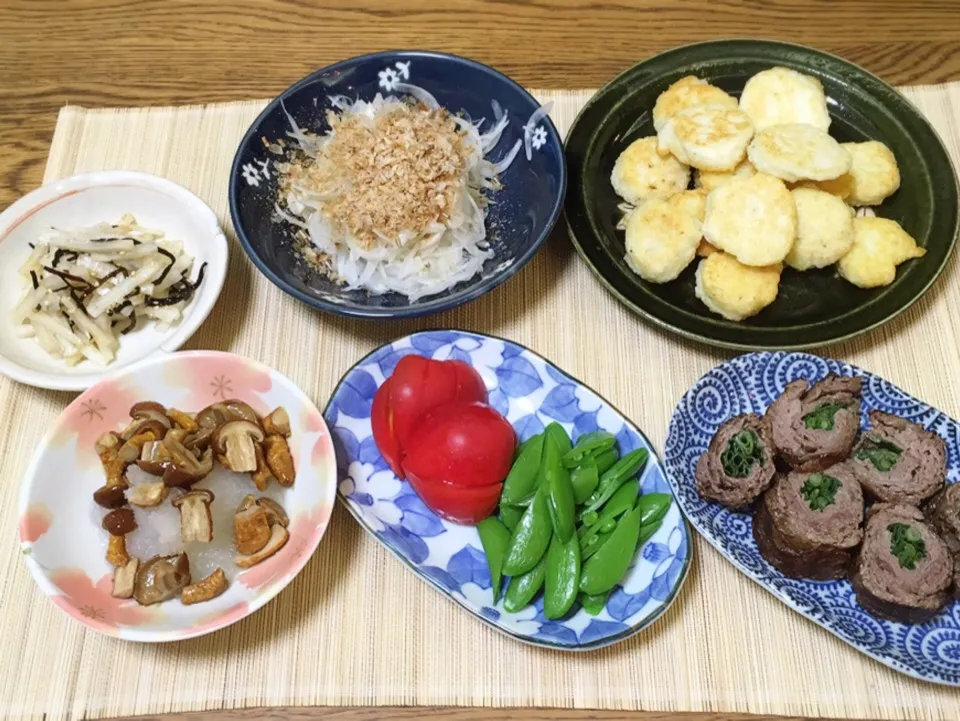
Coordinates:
column 356, row 627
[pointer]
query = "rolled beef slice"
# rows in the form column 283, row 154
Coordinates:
column 943, row 513
column 815, row 427
column 744, row 486
column 888, row 588
column 808, row 525
column 897, row 461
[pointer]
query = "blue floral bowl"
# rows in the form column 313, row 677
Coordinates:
column 530, row 392
column 749, row 384
column 520, row 218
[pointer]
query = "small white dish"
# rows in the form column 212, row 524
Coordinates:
column 85, row 200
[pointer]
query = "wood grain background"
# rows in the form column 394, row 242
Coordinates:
column 158, row 52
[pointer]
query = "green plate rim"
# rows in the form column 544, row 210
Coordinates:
column 706, row 339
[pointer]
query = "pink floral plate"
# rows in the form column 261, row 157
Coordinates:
column 63, row 546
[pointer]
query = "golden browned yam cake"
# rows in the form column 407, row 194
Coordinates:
column 733, row 290
column 798, row 152
column 641, row 173
column 824, row 229
column 781, row 96
column 753, row 219
column 685, row 93
column 879, row 246
column 661, row 241
column 708, row 137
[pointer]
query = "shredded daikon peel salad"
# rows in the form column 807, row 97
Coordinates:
column 393, row 197
column 85, row 288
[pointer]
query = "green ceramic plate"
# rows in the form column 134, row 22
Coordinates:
column 812, row 308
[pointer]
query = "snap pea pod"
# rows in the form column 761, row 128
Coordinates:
column 606, row 460
column 511, row 515
column 624, row 469
column 647, row 531
column 494, row 536
column 588, row 445
column 522, row 479
column 584, row 479
column 589, row 546
column 559, row 492
column 563, row 577
column 653, row 507
column 524, row 444
column 606, row 567
column 593, row 605
column 529, row 540
column 555, row 430
column 621, row 502
column 524, row 587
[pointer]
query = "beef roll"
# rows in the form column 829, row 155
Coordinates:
column 943, row 513
column 815, row 427
column 808, row 525
column 738, row 465
column 903, row 571
column 897, row 461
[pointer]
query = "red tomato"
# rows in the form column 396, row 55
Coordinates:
column 382, row 422
column 418, row 385
column 465, row 444
column 457, row 503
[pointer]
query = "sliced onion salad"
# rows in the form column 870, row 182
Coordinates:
column 424, row 261
column 85, row 288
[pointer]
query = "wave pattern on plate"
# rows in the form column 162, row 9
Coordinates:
column 929, row 651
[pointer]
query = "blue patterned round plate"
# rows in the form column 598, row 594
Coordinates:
column 750, row 383
column 519, row 219
column 530, row 392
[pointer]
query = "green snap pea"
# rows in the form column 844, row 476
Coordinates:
column 494, row 536
column 619, row 503
column 624, row 469
column 563, row 577
column 594, row 604
column 609, row 525
column 529, row 540
column 522, row 479
column 522, row 446
column 606, row 460
column 511, row 515
column 584, row 479
column 593, row 544
column 653, row 507
column 560, row 500
column 647, row 531
column 555, row 430
column 606, row 567
column 524, row 587
column 588, row 445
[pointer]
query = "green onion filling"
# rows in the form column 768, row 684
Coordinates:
column 821, row 418
column 906, row 544
column 820, row 491
column 742, row 452
column 882, row 454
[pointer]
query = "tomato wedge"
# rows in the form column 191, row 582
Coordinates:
column 459, row 504
column 418, row 385
column 467, row 444
column 381, row 421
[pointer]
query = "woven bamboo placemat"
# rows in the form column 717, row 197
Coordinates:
column 356, row 627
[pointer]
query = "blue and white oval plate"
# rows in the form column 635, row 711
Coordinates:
column 529, row 392
column 750, row 383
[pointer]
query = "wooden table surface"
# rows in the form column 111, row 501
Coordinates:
column 131, row 52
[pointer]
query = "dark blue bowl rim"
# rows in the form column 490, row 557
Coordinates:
column 417, row 309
